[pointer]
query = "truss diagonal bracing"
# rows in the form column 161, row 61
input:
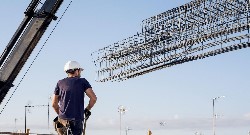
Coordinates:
column 196, row 30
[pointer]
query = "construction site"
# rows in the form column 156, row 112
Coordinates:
column 158, row 68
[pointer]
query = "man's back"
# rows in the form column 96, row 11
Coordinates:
column 71, row 97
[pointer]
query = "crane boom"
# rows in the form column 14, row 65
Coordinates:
column 24, row 41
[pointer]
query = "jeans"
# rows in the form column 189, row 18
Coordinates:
column 75, row 127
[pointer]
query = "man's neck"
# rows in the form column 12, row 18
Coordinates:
column 72, row 75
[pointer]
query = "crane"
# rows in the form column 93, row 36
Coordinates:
column 24, row 40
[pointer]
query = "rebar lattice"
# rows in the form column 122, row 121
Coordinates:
column 196, row 30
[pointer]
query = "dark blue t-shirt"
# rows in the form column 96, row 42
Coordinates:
column 71, row 97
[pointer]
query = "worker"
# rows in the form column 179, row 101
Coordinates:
column 68, row 99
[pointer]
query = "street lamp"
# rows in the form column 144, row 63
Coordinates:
column 121, row 110
column 25, row 117
column 163, row 123
column 214, row 116
column 15, row 123
column 127, row 129
column 28, row 106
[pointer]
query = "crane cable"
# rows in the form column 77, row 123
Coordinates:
column 36, row 56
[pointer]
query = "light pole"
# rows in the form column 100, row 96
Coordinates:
column 49, row 100
column 121, row 110
column 15, row 123
column 25, row 117
column 28, row 106
column 163, row 123
column 127, row 129
column 214, row 116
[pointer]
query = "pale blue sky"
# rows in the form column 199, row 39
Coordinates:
column 181, row 95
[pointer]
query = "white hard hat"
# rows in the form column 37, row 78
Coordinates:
column 71, row 65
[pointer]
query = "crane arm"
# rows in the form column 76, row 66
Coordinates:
column 24, row 41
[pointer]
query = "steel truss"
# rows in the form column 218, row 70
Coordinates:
column 196, row 30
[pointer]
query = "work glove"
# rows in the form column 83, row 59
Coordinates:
column 87, row 113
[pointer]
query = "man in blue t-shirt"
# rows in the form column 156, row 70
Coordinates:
column 68, row 100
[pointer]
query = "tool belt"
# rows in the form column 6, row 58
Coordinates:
column 59, row 127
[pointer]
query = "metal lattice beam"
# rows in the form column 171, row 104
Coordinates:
column 196, row 30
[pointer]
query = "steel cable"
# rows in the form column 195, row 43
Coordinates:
column 36, row 57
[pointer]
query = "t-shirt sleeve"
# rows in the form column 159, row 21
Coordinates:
column 86, row 85
column 56, row 92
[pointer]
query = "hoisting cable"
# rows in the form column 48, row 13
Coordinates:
column 36, row 56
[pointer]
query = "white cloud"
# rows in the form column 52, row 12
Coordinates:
column 176, row 116
column 247, row 116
